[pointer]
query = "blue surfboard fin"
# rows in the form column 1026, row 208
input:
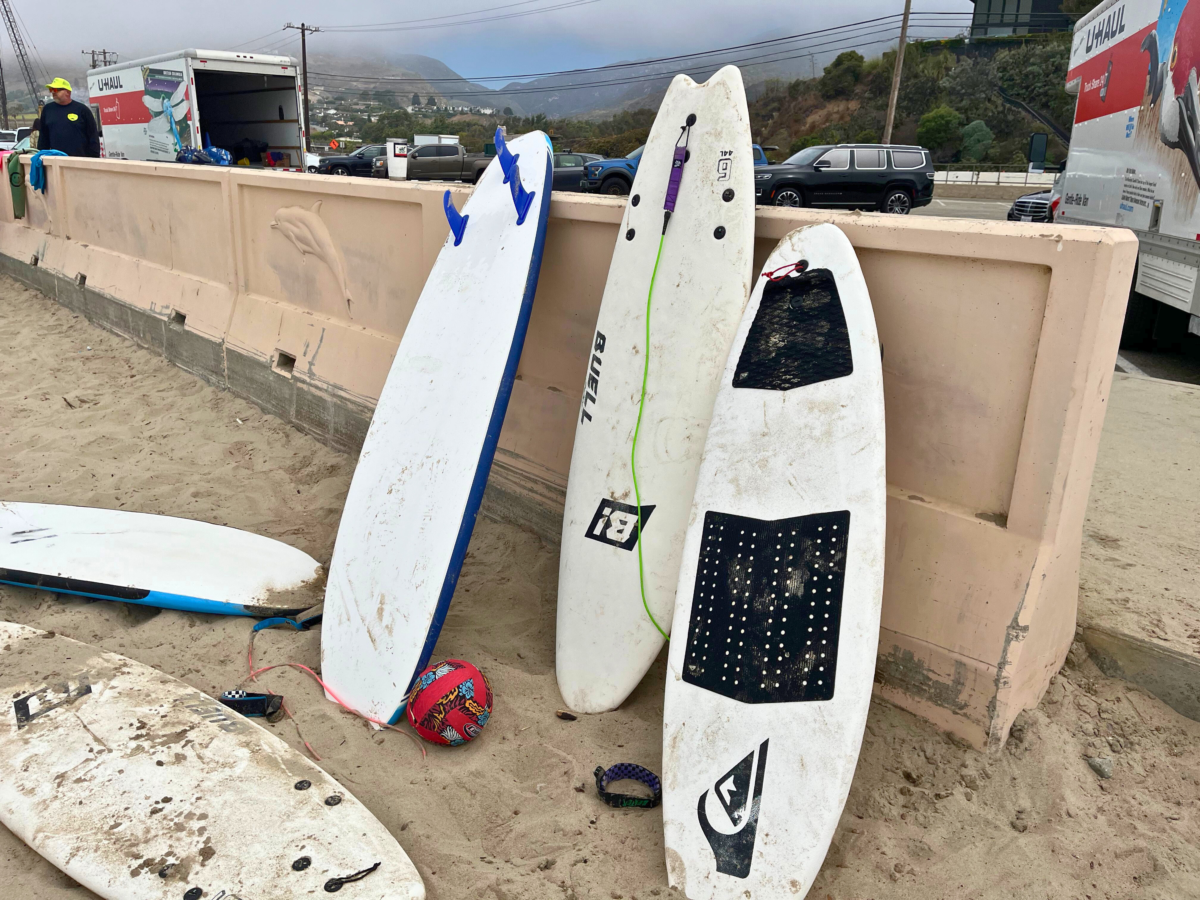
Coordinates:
column 507, row 160
column 522, row 199
column 458, row 222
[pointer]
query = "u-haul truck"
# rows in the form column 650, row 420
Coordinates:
column 150, row 109
column 1134, row 159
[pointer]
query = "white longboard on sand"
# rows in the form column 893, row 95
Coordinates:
column 606, row 640
column 425, row 462
column 111, row 554
column 140, row 787
column 777, row 620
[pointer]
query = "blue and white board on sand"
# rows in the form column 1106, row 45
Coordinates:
column 605, row 639
column 111, row 554
column 140, row 787
column 777, row 619
column 425, row 462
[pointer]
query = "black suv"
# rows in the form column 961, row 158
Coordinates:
column 892, row 178
column 360, row 162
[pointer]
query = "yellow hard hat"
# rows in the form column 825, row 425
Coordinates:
column 59, row 84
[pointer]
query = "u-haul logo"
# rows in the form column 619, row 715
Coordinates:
column 1106, row 29
column 616, row 524
column 109, row 83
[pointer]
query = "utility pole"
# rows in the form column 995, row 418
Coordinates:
column 304, row 30
column 101, row 58
column 891, row 110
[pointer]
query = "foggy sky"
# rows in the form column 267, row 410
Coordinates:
column 600, row 32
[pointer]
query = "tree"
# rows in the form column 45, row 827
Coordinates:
column 842, row 75
column 976, row 141
column 939, row 129
column 508, row 111
column 416, row 99
column 431, row 100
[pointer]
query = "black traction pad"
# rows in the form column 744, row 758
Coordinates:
column 766, row 607
column 798, row 336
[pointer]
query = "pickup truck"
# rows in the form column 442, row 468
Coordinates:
column 615, row 176
column 445, row 162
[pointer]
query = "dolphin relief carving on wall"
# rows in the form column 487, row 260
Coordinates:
column 306, row 230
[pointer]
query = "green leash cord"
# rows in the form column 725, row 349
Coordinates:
column 637, row 428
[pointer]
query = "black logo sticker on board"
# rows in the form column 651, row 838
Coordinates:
column 616, row 524
column 798, row 336
column 48, row 698
column 767, row 606
column 739, row 792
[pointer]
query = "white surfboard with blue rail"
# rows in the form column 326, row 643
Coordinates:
column 163, row 561
column 777, row 616
column 424, row 465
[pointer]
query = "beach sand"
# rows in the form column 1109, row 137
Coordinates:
column 90, row 419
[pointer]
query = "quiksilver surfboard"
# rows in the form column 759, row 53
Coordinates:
column 777, row 621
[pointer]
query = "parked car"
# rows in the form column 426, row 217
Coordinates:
column 615, row 176
column 312, row 162
column 357, row 163
column 760, row 155
column 445, row 162
column 7, row 140
column 891, row 178
column 1036, row 207
column 568, row 169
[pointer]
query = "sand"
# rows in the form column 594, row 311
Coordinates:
column 514, row 815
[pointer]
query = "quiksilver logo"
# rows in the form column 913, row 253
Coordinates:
column 616, row 524
column 593, row 379
column 739, row 794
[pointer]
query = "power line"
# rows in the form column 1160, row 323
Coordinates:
column 568, row 4
column 434, row 18
column 850, row 26
column 835, row 44
column 255, row 40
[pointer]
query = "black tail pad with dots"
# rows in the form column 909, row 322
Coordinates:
column 766, row 607
column 798, row 336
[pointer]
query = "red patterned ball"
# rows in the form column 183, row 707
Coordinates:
column 450, row 703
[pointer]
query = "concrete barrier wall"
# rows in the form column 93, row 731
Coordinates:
column 999, row 343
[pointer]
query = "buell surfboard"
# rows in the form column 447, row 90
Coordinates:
column 777, row 620
column 111, row 554
column 606, row 637
column 425, row 462
column 140, row 787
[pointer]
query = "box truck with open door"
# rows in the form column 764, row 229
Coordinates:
column 246, row 103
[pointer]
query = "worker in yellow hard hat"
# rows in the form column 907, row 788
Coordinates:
column 67, row 125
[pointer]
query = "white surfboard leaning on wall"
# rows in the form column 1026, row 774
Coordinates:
column 777, row 621
column 420, row 477
column 163, row 561
column 140, row 787
column 605, row 639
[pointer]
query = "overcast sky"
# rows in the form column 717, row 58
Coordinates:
column 579, row 33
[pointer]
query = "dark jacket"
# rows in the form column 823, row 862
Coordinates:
column 70, row 128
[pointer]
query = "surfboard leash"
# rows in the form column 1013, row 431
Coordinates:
column 678, row 159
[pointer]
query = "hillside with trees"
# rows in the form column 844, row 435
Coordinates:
column 952, row 100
